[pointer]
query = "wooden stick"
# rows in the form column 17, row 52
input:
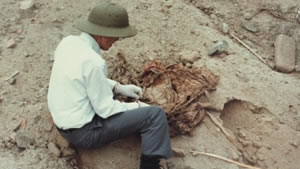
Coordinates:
column 224, row 159
column 13, row 75
column 231, row 137
column 251, row 50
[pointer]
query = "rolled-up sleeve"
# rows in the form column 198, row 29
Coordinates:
column 99, row 91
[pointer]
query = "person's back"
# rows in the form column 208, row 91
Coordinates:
column 67, row 91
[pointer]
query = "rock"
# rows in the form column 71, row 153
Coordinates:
column 54, row 149
column 285, row 53
column 68, row 153
column 241, row 134
column 16, row 125
column 178, row 152
column 12, row 81
column 189, row 57
column 188, row 65
column 48, row 125
column 12, row 136
column 225, row 28
column 297, row 68
column 251, row 27
column 171, row 165
column 24, row 139
column 220, row 47
column 61, row 141
column 248, row 158
column 234, row 155
column 295, row 144
column 11, row 43
column 27, row 4
column 257, row 144
column 9, row 145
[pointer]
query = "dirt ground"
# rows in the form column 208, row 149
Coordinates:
column 257, row 105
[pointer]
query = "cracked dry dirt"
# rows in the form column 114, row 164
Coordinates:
column 257, row 105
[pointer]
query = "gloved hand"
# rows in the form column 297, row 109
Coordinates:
column 129, row 90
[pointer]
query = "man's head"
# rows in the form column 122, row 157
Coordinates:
column 107, row 22
column 105, row 42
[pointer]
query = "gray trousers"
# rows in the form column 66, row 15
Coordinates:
column 149, row 122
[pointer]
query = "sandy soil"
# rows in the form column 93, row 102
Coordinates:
column 257, row 105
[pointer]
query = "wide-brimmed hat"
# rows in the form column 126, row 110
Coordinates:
column 108, row 20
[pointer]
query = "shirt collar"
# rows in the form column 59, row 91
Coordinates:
column 91, row 41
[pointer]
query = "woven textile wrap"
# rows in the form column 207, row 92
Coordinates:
column 179, row 91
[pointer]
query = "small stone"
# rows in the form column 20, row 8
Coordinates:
column 12, row 81
column 171, row 165
column 248, row 158
column 27, row 4
column 189, row 57
column 48, row 125
column 241, row 134
column 220, row 47
column 178, row 152
column 9, row 145
column 61, row 141
column 297, row 68
column 268, row 146
column 12, row 136
column 188, row 65
column 234, row 155
column 225, row 28
column 24, row 139
column 11, row 43
column 251, row 27
column 68, row 153
column 285, row 53
column 295, row 144
column 54, row 149
column 257, row 144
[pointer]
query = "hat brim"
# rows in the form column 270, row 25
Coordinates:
column 122, row 32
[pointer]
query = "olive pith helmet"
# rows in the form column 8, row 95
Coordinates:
column 108, row 20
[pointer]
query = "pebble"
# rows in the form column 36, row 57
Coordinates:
column 11, row 43
column 54, row 149
column 297, row 68
column 241, row 134
column 48, row 125
column 178, row 152
column 189, row 57
column 295, row 144
column 234, row 155
column 225, row 28
column 251, row 27
column 27, row 4
column 24, row 139
column 12, row 81
column 68, row 153
column 285, row 53
column 12, row 136
column 257, row 144
column 220, row 47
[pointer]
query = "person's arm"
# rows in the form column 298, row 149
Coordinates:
column 112, row 83
column 101, row 96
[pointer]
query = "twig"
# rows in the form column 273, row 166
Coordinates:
column 13, row 75
column 224, row 159
column 231, row 137
column 251, row 50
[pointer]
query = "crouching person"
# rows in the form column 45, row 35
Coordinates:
column 80, row 96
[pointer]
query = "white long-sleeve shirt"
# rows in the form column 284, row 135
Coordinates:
column 79, row 86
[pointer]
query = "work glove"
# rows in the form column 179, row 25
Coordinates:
column 132, row 91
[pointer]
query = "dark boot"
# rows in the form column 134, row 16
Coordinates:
column 149, row 162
